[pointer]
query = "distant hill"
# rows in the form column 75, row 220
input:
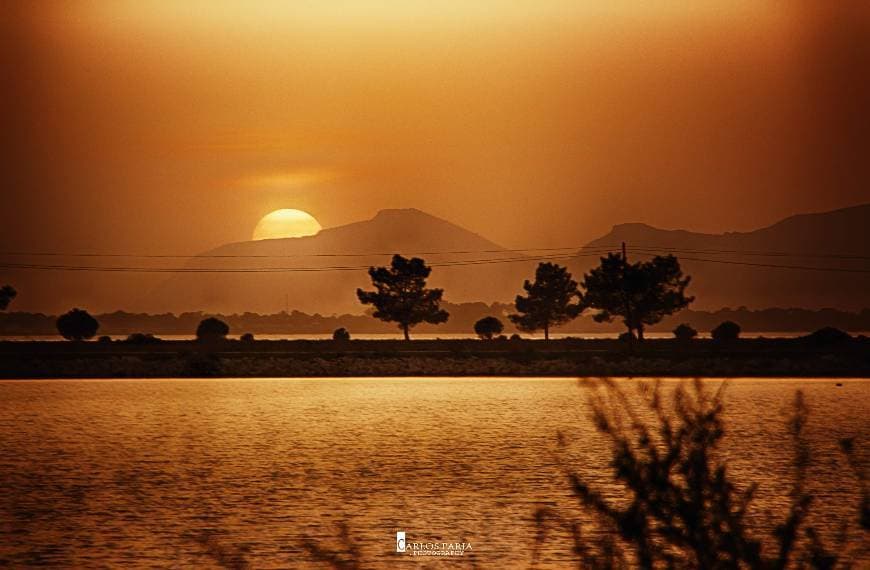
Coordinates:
column 803, row 240
column 310, row 288
column 815, row 240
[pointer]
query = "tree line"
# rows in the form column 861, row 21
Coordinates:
column 640, row 294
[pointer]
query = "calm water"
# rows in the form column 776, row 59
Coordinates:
column 225, row 472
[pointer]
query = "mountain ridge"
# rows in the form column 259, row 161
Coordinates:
column 326, row 269
column 841, row 217
column 819, row 239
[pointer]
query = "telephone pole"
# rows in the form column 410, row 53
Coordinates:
column 626, row 300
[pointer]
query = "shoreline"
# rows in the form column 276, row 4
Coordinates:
column 432, row 358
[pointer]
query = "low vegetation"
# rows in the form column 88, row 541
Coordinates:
column 679, row 505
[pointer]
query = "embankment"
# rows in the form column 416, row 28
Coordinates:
column 566, row 357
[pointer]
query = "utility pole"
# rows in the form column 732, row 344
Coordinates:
column 625, row 298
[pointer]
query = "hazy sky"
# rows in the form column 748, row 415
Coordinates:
column 174, row 126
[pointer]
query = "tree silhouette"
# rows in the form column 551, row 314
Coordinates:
column 727, row 331
column 642, row 293
column 401, row 295
column 341, row 334
column 7, row 293
column 212, row 329
column 488, row 327
column 77, row 324
column 549, row 301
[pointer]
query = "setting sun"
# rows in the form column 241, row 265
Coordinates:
column 286, row 223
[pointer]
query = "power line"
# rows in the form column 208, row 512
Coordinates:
column 449, row 263
column 774, row 265
column 289, row 255
column 528, row 250
column 563, row 254
column 109, row 269
column 749, row 252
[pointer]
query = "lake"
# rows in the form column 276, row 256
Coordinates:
column 229, row 472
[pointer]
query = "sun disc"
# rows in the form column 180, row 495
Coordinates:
column 286, row 223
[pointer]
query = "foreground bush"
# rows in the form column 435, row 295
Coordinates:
column 681, row 507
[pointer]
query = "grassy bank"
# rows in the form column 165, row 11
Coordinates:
column 567, row 357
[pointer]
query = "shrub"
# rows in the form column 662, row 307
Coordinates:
column 828, row 336
column 341, row 334
column 212, row 329
column 627, row 337
column 726, row 331
column 515, row 336
column 77, row 324
column 682, row 507
column 141, row 338
column 247, row 337
column 685, row 332
column 7, row 293
column 104, row 339
column 488, row 327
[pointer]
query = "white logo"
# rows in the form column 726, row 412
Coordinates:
column 400, row 541
column 430, row 547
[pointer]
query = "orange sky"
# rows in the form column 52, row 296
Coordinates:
column 173, row 127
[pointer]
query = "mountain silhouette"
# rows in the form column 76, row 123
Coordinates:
column 309, row 287
column 811, row 240
column 837, row 240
